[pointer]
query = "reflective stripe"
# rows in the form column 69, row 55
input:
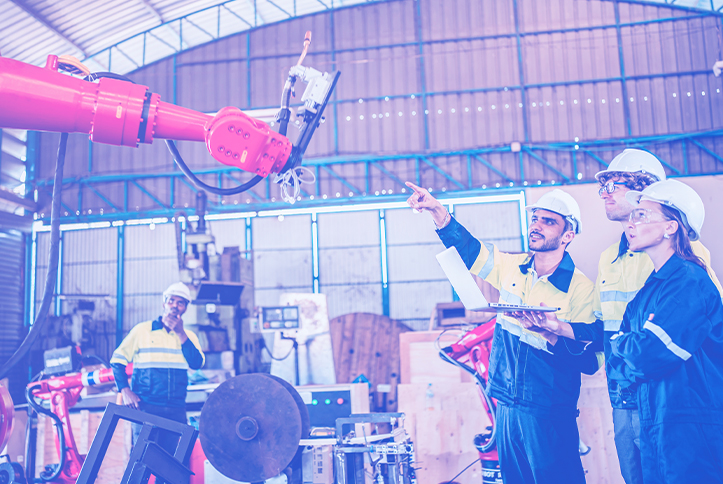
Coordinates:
column 171, row 351
column 663, row 336
column 162, row 364
column 612, row 324
column 508, row 297
column 490, row 264
column 525, row 337
column 118, row 356
column 617, row 296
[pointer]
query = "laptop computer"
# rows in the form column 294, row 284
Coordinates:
column 468, row 291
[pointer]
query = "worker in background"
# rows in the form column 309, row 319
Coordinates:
column 161, row 351
column 535, row 376
column 621, row 274
column 670, row 345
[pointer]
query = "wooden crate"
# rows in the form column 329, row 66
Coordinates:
column 443, row 428
column 596, row 430
column 420, row 361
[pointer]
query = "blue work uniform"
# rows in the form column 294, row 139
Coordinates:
column 670, row 349
column 536, row 385
column 621, row 274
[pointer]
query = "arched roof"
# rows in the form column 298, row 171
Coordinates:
column 123, row 35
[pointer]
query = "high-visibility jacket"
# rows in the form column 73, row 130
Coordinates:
column 160, row 363
column 621, row 274
column 523, row 367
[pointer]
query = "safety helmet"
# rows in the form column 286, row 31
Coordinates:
column 177, row 289
column 635, row 161
column 561, row 203
column 677, row 195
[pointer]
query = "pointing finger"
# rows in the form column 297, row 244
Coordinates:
column 417, row 190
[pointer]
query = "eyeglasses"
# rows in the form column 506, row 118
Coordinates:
column 609, row 187
column 645, row 216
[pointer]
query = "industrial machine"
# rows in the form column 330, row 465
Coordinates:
column 116, row 111
column 472, row 354
column 63, row 391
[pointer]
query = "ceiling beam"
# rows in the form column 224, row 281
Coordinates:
column 46, row 23
column 152, row 10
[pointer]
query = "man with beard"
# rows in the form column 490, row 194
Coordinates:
column 621, row 274
column 161, row 351
column 534, row 375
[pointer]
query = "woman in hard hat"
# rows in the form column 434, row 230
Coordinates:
column 670, row 344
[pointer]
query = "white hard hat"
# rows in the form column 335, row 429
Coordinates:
column 561, row 203
column 635, row 161
column 177, row 289
column 679, row 196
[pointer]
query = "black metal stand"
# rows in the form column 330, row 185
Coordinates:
column 147, row 456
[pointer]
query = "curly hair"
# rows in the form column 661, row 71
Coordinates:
column 634, row 181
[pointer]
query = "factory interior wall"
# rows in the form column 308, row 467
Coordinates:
column 350, row 271
column 349, row 261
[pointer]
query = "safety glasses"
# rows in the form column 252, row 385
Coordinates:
column 609, row 187
column 645, row 216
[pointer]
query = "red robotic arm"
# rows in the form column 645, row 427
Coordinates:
column 63, row 393
column 472, row 353
column 125, row 114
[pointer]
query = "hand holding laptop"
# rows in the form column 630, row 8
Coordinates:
column 545, row 324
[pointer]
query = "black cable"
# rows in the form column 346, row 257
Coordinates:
column 58, row 425
column 94, row 76
column 98, row 359
column 462, row 472
column 215, row 190
column 51, row 276
column 285, row 356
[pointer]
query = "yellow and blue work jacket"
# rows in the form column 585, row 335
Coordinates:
column 524, row 368
column 621, row 274
column 160, row 363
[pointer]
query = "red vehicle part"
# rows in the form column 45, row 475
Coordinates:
column 63, row 392
column 121, row 113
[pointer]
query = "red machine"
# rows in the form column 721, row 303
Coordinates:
column 7, row 414
column 121, row 113
column 63, row 392
column 472, row 353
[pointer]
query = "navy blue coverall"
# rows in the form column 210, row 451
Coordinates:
column 536, row 384
column 670, row 346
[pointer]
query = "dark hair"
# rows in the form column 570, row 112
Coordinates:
column 680, row 240
column 634, row 181
column 568, row 225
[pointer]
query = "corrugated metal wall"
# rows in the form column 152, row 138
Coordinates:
column 12, row 297
column 151, row 265
column 434, row 76
column 416, row 282
column 350, row 270
column 282, row 257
